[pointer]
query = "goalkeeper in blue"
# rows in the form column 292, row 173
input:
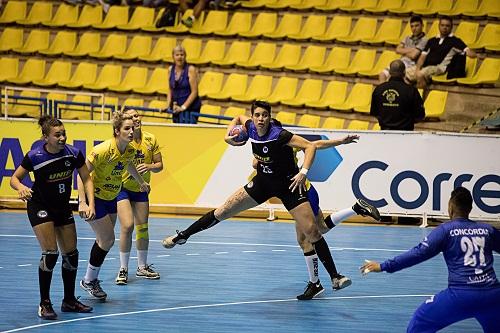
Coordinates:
column 473, row 289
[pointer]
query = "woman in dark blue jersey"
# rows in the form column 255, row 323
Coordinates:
column 52, row 162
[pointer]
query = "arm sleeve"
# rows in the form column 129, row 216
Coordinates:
column 373, row 106
column 80, row 160
column 156, row 147
column 93, row 157
column 422, row 43
column 247, row 124
column 284, row 137
column 459, row 44
column 429, row 247
column 26, row 163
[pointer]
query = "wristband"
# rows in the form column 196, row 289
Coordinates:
column 183, row 108
column 304, row 171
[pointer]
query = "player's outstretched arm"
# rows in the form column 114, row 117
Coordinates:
column 238, row 120
column 324, row 144
column 370, row 266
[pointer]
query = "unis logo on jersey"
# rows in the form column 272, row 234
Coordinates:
column 325, row 162
column 60, row 175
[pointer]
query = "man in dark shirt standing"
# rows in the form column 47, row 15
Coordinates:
column 396, row 104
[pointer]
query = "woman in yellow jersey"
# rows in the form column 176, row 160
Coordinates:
column 133, row 205
column 107, row 163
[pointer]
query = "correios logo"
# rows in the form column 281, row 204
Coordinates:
column 325, row 161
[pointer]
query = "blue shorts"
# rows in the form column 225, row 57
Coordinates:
column 132, row 196
column 104, row 207
column 313, row 196
column 453, row 305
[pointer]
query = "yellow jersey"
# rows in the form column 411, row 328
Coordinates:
column 144, row 152
column 109, row 166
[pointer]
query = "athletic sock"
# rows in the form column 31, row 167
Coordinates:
column 321, row 248
column 44, row 281
column 142, row 258
column 97, row 256
column 92, row 273
column 69, row 278
column 312, row 265
column 338, row 217
column 206, row 221
column 124, row 259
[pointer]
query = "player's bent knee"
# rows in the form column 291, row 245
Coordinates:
column 70, row 260
column 142, row 231
column 48, row 260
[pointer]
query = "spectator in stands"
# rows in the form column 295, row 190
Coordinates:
column 198, row 8
column 183, row 97
column 444, row 53
column 396, row 104
column 410, row 47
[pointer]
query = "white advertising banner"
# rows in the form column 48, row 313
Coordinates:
column 402, row 173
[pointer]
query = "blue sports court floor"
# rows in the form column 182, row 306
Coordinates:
column 240, row 276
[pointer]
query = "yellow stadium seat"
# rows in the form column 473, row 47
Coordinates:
column 180, row 28
column 486, row 8
column 359, row 5
column 142, row 17
column 315, row 25
column 37, row 40
column 159, row 105
column 406, row 32
column 26, row 107
column 313, row 56
column 384, row 6
column 41, row 11
column 117, row 15
column 460, row 7
column 286, row 118
column 359, row 97
column 11, row 38
column 256, row 3
column 262, row 53
column 158, row 115
column 490, row 37
column 333, row 5
column 467, row 31
column 470, row 69
column 308, row 92
column 334, row 93
column 290, row 24
column 433, row 29
column 139, row 46
column 33, row 69
column 136, row 77
column 8, row 68
column 240, row 22
column 339, row 57
column 65, row 41
column 80, row 112
column 282, row 4
column 65, row 14
column 53, row 98
column 435, row 103
column 359, row 125
column 308, row 4
column 162, row 51
column 232, row 112
column 90, row 42
column 285, row 89
column 333, row 123
column 376, row 127
column 363, row 61
column 152, row 27
column 288, row 55
column 213, row 51
column 192, row 47
column 259, row 89
column 59, row 71
column 109, row 101
column 488, row 73
column 382, row 63
column 410, row 6
column 212, row 110
column 13, row 11
column 364, row 29
column 308, row 120
column 110, row 75
column 85, row 73
column 114, row 44
column 238, row 52
column 157, row 84
column 131, row 102
column 90, row 15
column 264, row 23
column 210, row 83
column 236, row 84
column 215, row 21
column 340, row 26
column 389, row 29
column 435, row 6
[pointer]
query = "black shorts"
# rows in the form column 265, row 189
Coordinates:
column 39, row 213
column 262, row 188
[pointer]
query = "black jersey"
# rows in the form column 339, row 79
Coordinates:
column 53, row 173
column 274, row 157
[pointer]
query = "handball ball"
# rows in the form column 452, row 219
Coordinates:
column 241, row 131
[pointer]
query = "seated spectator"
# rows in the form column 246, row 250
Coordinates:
column 183, row 95
column 440, row 55
column 198, row 8
column 410, row 47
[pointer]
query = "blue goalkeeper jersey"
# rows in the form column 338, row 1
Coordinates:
column 467, row 248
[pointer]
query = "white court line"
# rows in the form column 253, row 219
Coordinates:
column 163, row 255
column 24, row 265
column 221, row 252
column 278, row 250
column 200, row 306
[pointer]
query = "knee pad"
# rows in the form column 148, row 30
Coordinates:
column 141, row 231
column 70, row 261
column 48, row 260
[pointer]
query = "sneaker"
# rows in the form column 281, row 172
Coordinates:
column 174, row 240
column 341, row 282
column 45, row 311
column 312, row 290
column 188, row 22
column 363, row 208
column 75, row 306
column 122, row 277
column 147, row 272
column 94, row 289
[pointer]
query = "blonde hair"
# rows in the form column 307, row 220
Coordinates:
column 118, row 118
column 179, row 48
